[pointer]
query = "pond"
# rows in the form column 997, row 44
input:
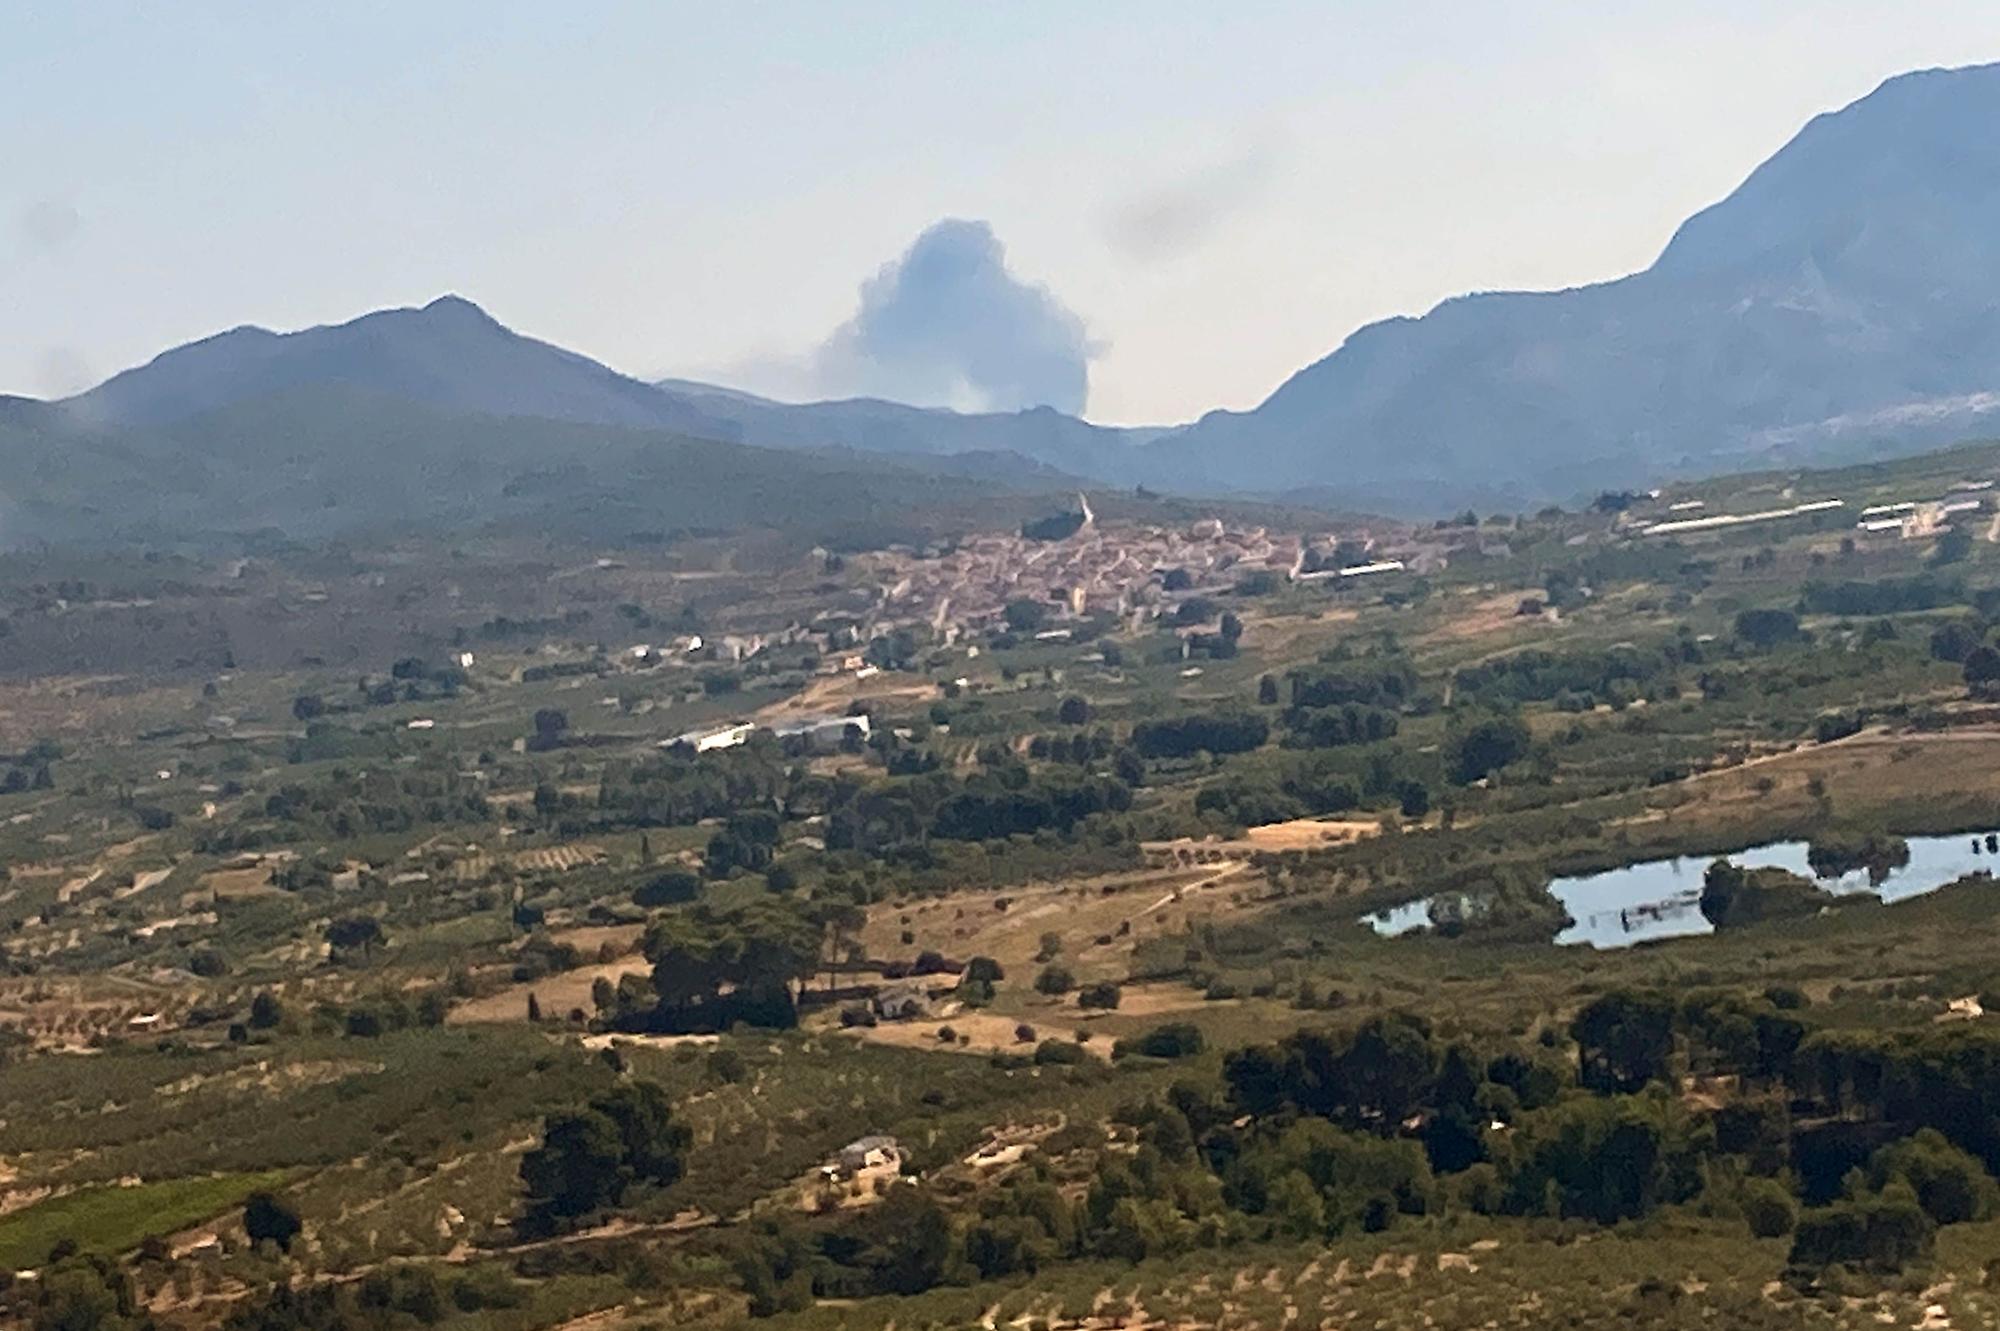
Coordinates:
column 1658, row 899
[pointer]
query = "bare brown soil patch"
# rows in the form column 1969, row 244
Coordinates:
column 591, row 939
column 1481, row 618
column 830, row 695
column 232, row 884
column 1871, row 770
column 1295, row 834
column 974, row 1033
column 555, row 994
column 1008, row 925
column 1276, row 636
column 76, row 704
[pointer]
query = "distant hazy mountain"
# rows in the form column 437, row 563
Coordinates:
column 1844, row 301
column 332, row 461
column 450, row 355
column 453, row 357
column 1041, row 433
column 322, row 460
column 25, row 411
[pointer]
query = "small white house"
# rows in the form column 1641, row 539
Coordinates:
column 824, row 732
column 873, row 1152
column 902, row 1002
column 720, row 737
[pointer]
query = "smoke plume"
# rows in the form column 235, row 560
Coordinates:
column 947, row 325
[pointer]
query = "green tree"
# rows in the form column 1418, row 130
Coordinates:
column 654, row 1144
column 1104, row 994
column 1025, row 616
column 265, row 1010
column 1054, row 980
column 588, row 1158
column 838, row 921
column 1952, row 641
column 1767, row 628
column 710, row 967
column 578, row 1168
column 1953, row 545
column 269, row 1218
column 549, row 724
column 352, row 933
column 905, row 1243
column 1624, row 1039
column 774, row 1262
column 1178, row 1039
column 1609, row 1159
column 1883, row 1232
column 1486, row 746
column 87, row 1293
column 671, row 887
column 1982, row 670
column 1949, row 1183
column 1364, row 1181
column 1768, row 1208
column 1296, row 1207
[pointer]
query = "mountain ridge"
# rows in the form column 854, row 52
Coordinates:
column 320, row 461
column 448, row 353
column 1842, row 301
column 1106, row 452
column 1814, row 298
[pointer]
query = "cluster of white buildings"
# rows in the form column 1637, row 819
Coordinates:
column 1717, row 521
column 820, row 733
column 1909, row 518
column 1912, row 519
column 1097, row 570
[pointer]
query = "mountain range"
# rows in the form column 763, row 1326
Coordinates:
column 317, row 461
column 1843, row 302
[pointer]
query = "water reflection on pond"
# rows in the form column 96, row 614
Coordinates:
column 1661, row 898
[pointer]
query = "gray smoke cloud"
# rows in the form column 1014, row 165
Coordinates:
column 947, row 325
column 48, row 225
column 1178, row 217
column 61, row 371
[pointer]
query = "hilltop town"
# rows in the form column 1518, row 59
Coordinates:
column 1122, row 575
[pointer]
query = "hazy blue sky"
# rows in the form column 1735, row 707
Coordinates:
column 1220, row 192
